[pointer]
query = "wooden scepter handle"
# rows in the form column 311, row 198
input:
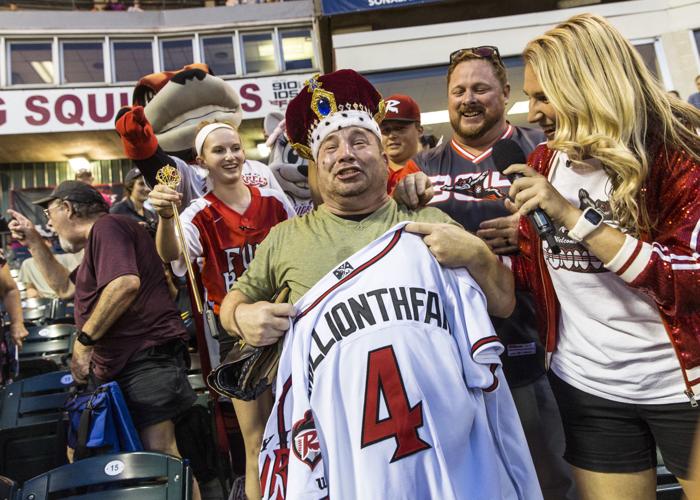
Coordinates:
column 170, row 176
column 188, row 260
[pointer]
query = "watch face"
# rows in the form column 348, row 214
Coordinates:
column 593, row 216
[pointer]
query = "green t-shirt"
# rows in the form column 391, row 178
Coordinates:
column 302, row 250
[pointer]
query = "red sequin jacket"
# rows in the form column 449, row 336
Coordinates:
column 664, row 264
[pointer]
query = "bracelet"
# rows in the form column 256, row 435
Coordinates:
column 166, row 218
column 239, row 332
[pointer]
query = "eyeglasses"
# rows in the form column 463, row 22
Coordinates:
column 484, row 52
column 47, row 211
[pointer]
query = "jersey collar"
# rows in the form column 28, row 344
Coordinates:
column 459, row 149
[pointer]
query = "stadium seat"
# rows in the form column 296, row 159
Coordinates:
column 32, row 431
column 667, row 486
column 36, row 309
column 134, row 476
column 61, row 312
column 43, row 354
column 8, row 488
column 197, row 382
column 40, row 333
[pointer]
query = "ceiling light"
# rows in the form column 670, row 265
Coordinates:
column 44, row 69
column 297, row 49
column 78, row 163
column 519, row 108
column 434, row 117
column 265, row 50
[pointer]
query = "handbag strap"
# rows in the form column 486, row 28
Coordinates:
column 81, row 448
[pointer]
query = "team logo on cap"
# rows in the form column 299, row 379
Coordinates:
column 343, row 270
column 305, row 439
column 392, row 106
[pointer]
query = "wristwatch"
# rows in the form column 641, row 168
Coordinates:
column 85, row 339
column 588, row 222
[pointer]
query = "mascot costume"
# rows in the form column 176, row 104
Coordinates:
column 290, row 169
column 159, row 129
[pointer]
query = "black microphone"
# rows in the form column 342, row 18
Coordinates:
column 505, row 153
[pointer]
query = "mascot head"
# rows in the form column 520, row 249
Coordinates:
column 176, row 101
column 290, row 169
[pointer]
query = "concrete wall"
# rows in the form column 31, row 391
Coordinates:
column 81, row 22
column 670, row 21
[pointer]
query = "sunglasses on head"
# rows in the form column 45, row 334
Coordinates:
column 484, row 51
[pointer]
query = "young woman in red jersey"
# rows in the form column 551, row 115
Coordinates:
column 222, row 230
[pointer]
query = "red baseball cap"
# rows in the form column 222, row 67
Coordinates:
column 402, row 107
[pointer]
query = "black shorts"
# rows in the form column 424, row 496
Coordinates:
column 226, row 341
column 609, row 436
column 154, row 383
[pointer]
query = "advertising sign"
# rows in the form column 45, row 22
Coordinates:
column 94, row 108
column 331, row 7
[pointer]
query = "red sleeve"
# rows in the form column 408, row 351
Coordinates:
column 396, row 175
column 666, row 264
column 113, row 248
column 522, row 264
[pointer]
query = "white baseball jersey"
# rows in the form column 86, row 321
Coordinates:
column 388, row 387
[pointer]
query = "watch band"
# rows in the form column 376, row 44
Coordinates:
column 85, row 339
column 588, row 222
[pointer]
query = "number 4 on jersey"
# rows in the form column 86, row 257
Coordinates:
column 403, row 421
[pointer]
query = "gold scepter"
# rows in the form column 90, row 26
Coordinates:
column 169, row 176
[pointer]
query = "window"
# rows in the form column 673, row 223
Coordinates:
column 259, row 52
column 297, row 49
column 218, row 54
column 30, row 63
column 132, row 60
column 175, row 54
column 82, row 62
column 648, row 53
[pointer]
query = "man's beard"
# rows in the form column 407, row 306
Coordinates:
column 473, row 132
column 66, row 245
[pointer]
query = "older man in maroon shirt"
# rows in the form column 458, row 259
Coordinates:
column 130, row 329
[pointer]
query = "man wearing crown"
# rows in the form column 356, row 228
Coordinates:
column 334, row 121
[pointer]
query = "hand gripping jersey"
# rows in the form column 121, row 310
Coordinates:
column 388, row 387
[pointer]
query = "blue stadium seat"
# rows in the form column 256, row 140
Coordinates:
column 42, row 354
column 32, row 431
column 133, row 476
column 41, row 333
column 36, row 309
column 667, row 486
column 8, row 488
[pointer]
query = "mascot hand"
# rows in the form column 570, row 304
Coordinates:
column 137, row 135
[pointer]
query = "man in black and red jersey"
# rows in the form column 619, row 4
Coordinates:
column 470, row 189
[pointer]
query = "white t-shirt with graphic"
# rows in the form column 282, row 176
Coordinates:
column 612, row 343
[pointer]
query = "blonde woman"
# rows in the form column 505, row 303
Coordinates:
column 223, row 229
column 620, row 306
